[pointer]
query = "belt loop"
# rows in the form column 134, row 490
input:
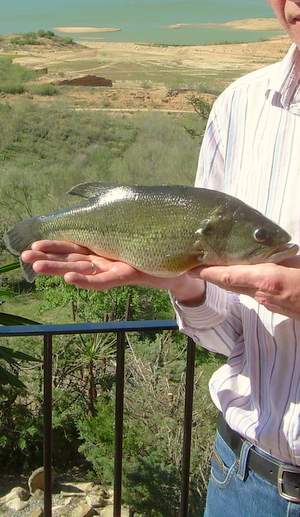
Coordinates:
column 242, row 460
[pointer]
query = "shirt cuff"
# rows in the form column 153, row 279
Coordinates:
column 212, row 312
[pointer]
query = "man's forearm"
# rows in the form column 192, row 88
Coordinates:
column 190, row 292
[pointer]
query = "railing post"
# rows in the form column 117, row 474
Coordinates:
column 48, row 425
column 119, row 409
column 187, row 432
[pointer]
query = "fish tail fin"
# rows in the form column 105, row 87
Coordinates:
column 20, row 238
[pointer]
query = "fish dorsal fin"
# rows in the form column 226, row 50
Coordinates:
column 90, row 189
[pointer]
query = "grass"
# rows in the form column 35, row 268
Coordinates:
column 155, row 75
column 45, row 150
column 29, row 306
column 77, row 65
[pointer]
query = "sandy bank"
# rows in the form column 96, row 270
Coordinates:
column 251, row 24
column 193, row 59
column 85, row 30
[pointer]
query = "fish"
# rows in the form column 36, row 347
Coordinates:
column 160, row 230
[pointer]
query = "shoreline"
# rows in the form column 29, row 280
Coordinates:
column 195, row 34
column 247, row 24
column 85, row 30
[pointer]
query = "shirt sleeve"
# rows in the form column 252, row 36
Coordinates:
column 215, row 324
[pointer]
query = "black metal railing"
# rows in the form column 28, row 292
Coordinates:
column 120, row 328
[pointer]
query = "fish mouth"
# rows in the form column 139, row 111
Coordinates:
column 282, row 252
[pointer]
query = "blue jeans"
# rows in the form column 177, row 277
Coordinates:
column 235, row 491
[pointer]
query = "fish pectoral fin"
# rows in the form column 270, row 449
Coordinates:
column 199, row 253
column 90, row 189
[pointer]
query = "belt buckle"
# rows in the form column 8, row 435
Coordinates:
column 281, row 470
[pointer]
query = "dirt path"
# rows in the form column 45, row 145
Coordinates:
column 134, row 110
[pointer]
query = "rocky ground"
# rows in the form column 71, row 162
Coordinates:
column 70, row 498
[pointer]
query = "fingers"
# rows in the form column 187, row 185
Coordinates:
column 105, row 280
column 258, row 281
column 30, row 256
column 60, row 247
column 230, row 276
column 82, row 264
column 234, row 277
column 48, row 267
column 85, row 271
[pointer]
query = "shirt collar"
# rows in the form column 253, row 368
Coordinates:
column 286, row 78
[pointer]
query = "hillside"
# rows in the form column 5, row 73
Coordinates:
column 144, row 77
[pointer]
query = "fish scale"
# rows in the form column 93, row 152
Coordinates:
column 161, row 230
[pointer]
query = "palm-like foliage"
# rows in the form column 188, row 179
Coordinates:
column 94, row 355
column 9, row 359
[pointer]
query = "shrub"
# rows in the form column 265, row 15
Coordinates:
column 147, row 85
column 20, row 433
column 45, row 34
column 34, row 38
column 152, row 486
column 29, row 38
column 67, row 40
column 13, row 88
column 201, row 106
column 44, row 89
column 14, row 73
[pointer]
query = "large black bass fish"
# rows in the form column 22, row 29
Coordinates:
column 161, row 230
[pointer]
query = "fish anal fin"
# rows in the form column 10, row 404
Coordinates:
column 28, row 272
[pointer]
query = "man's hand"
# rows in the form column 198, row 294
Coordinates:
column 276, row 286
column 82, row 268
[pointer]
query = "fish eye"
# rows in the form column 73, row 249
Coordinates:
column 260, row 235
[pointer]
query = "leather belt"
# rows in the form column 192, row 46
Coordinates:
column 286, row 477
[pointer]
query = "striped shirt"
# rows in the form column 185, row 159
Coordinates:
column 251, row 149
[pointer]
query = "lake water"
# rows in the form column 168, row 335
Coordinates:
column 139, row 20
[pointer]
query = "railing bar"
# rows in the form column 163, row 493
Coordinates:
column 119, row 411
column 187, row 432
column 87, row 328
column 48, row 426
